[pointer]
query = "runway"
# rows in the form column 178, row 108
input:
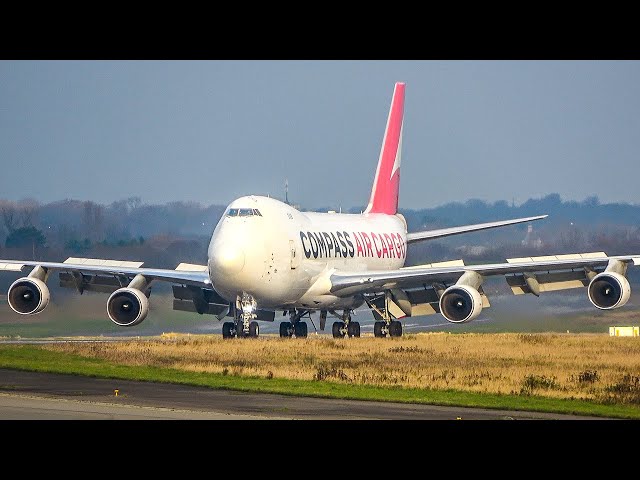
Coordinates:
column 46, row 396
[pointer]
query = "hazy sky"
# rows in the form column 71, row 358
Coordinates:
column 211, row 131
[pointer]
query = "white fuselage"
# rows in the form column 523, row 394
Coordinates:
column 284, row 257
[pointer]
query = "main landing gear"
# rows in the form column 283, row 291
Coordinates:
column 386, row 326
column 382, row 328
column 244, row 325
column 295, row 326
column 346, row 326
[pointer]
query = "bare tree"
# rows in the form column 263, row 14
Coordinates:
column 9, row 214
column 28, row 211
column 93, row 219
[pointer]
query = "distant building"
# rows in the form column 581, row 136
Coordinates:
column 531, row 240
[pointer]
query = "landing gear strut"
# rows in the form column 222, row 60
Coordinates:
column 295, row 326
column 345, row 327
column 386, row 326
column 244, row 325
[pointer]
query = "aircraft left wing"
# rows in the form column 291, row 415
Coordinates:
column 455, row 291
column 446, row 232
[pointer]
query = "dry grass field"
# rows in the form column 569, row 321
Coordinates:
column 594, row 367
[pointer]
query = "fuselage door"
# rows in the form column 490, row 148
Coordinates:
column 295, row 259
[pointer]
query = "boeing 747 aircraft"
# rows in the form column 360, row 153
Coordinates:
column 267, row 257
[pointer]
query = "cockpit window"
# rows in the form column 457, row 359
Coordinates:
column 243, row 212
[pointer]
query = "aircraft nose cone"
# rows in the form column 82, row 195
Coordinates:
column 229, row 259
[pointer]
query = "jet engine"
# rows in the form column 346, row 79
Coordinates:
column 609, row 290
column 127, row 307
column 28, row 296
column 460, row 303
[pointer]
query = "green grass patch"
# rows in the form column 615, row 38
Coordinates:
column 34, row 358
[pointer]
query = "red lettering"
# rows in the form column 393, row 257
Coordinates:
column 373, row 237
column 359, row 250
column 367, row 242
column 396, row 243
column 389, row 242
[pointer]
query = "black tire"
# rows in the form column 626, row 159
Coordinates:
column 301, row 329
column 227, row 328
column 377, row 330
column 254, row 329
column 395, row 329
column 353, row 329
column 335, row 330
column 239, row 332
column 284, row 329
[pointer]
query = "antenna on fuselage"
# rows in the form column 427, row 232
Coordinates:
column 286, row 191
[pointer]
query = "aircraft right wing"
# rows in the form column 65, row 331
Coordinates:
column 454, row 289
column 128, row 283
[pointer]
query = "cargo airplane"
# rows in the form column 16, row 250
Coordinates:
column 267, row 257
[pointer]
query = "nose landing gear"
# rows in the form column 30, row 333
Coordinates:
column 244, row 325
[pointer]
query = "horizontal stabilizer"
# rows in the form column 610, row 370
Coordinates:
column 103, row 262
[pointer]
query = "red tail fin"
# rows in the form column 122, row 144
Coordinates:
column 384, row 194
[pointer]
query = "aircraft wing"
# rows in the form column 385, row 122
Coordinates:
column 188, row 274
column 349, row 283
column 128, row 284
column 445, row 232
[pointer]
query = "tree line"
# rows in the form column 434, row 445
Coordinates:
column 163, row 235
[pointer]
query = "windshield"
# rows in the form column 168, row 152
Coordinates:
column 243, row 212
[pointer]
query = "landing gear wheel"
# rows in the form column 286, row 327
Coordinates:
column 300, row 329
column 254, row 329
column 239, row 332
column 335, row 329
column 285, row 329
column 353, row 329
column 377, row 330
column 395, row 329
column 227, row 330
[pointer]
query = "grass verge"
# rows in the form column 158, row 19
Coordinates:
column 34, row 358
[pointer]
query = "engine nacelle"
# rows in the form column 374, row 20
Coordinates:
column 460, row 303
column 609, row 290
column 28, row 296
column 127, row 307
